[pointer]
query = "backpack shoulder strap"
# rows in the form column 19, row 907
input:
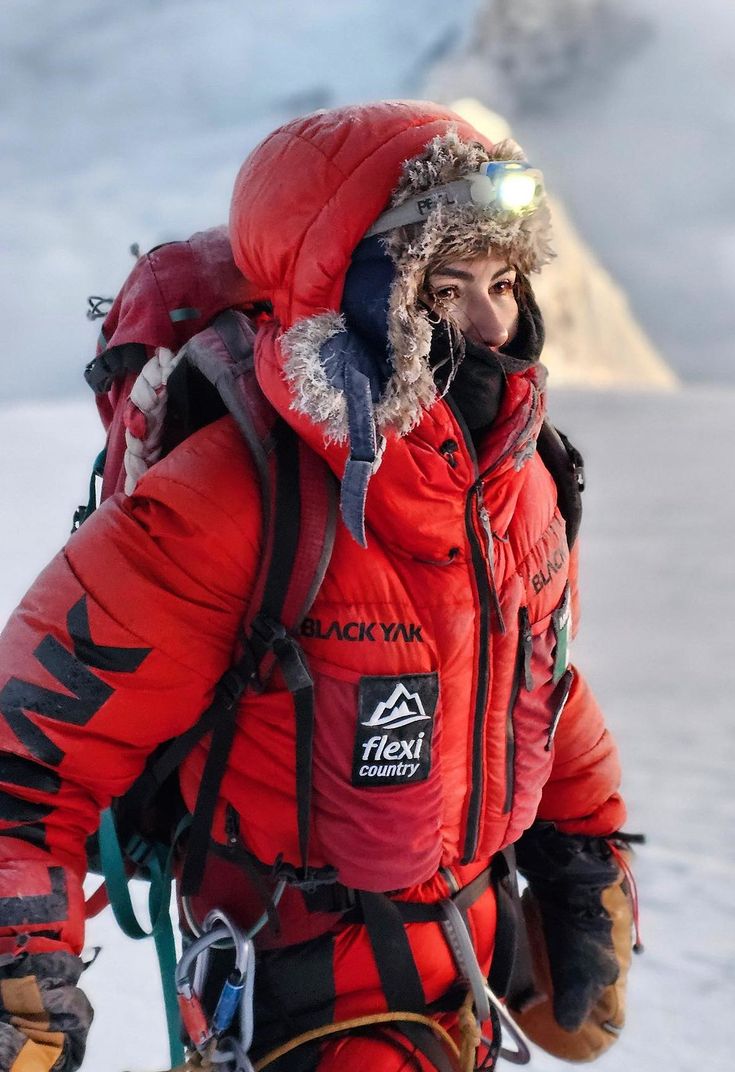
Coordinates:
column 297, row 488
column 299, row 499
column 566, row 466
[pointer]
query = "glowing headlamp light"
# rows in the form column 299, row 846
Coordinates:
column 501, row 187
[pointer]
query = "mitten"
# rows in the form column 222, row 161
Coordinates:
column 578, row 909
column 44, row 1017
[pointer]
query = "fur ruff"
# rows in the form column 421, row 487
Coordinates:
column 408, row 392
column 449, row 233
column 313, row 394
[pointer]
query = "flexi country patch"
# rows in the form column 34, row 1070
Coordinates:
column 395, row 726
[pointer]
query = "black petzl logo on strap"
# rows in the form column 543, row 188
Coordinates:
column 19, row 699
column 394, row 729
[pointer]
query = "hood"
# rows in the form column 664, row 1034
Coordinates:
column 303, row 202
column 306, row 195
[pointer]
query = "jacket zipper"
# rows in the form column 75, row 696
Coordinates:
column 487, row 597
column 482, row 555
column 521, row 673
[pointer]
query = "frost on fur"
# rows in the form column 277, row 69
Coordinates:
column 312, row 393
column 407, row 393
column 454, row 233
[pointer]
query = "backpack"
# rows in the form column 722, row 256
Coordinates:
column 190, row 298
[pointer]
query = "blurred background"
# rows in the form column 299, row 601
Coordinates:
column 125, row 124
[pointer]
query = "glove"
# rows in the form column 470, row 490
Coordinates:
column 579, row 914
column 44, row 1017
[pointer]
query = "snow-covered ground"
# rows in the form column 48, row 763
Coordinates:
column 656, row 642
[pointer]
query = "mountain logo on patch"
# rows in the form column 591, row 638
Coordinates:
column 400, row 709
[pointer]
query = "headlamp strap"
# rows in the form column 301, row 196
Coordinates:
column 417, row 208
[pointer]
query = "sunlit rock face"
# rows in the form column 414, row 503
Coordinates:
column 592, row 336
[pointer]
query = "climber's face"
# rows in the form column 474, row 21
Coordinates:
column 478, row 296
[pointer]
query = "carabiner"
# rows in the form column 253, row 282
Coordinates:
column 521, row 1055
column 237, row 991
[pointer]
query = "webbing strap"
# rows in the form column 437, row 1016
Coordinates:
column 566, row 466
column 301, row 686
column 339, row 898
column 98, row 471
column 159, row 865
column 163, row 937
column 170, row 759
column 511, row 972
column 297, row 493
column 399, row 976
column 282, row 545
column 104, row 369
column 224, row 713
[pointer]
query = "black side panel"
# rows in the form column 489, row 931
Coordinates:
column 566, row 466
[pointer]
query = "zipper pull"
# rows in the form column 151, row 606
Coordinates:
column 490, row 555
column 564, row 687
column 232, row 825
column 524, row 626
column 485, row 519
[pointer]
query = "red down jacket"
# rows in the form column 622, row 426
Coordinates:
column 130, row 627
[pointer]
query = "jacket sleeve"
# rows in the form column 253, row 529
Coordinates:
column 116, row 647
column 582, row 794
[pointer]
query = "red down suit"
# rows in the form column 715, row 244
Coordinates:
column 450, row 626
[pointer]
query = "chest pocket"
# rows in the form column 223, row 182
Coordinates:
column 376, row 789
column 543, row 682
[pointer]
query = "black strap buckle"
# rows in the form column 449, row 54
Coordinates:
column 230, row 688
column 306, row 879
column 332, row 899
column 267, row 630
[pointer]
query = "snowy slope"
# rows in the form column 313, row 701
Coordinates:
column 127, row 123
column 656, row 642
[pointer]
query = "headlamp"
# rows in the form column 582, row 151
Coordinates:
column 500, row 187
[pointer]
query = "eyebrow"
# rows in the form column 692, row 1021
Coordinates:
column 459, row 273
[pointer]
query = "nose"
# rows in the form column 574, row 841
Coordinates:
column 486, row 324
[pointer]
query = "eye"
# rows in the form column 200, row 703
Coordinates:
column 444, row 295
column 504, row 286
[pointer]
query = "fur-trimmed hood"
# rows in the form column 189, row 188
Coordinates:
column 302, row 204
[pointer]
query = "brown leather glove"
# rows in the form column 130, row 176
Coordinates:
column 579, row 915
column 44, row 1017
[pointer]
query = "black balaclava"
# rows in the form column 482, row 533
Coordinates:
column 476, row 374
